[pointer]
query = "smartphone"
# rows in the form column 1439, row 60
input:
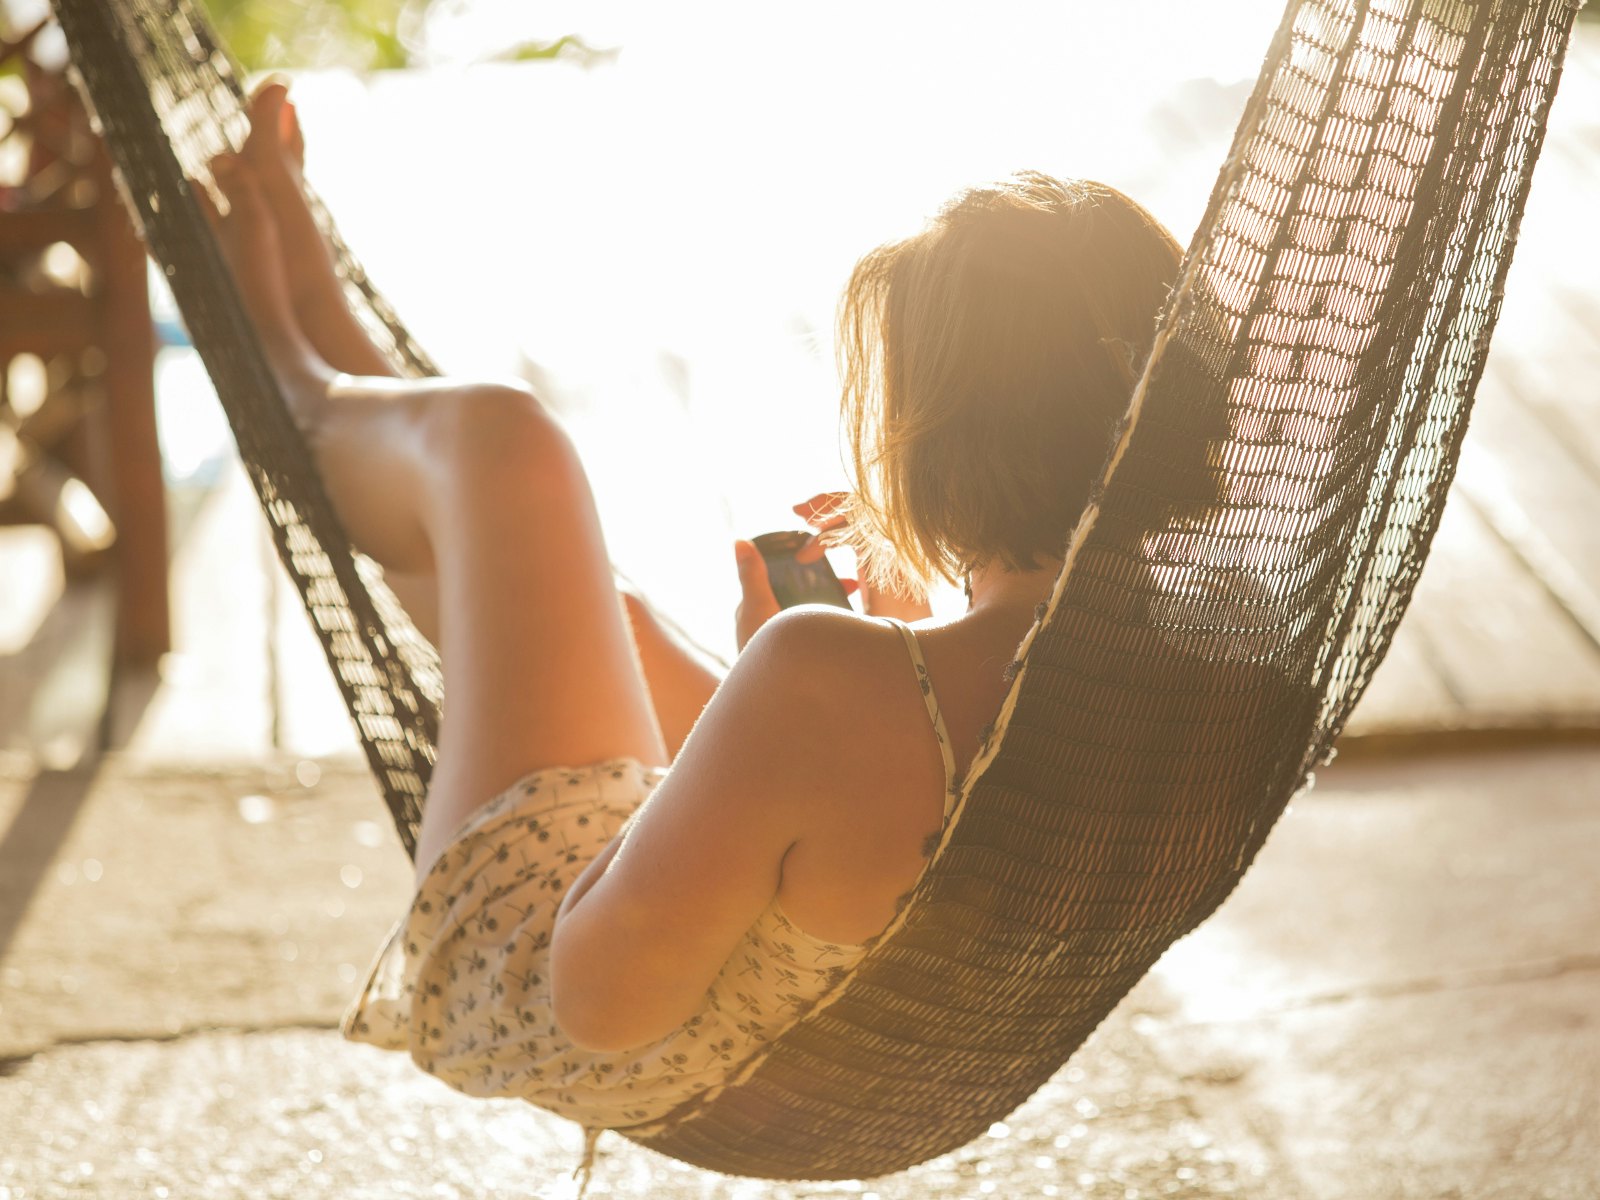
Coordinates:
column 797, row 582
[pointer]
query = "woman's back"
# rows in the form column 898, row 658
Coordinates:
column 883, row 787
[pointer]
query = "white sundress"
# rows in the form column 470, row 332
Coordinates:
column 462, row 983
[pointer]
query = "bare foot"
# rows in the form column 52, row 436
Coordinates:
column 250, row 242
column 364, row 433
column 275, row 150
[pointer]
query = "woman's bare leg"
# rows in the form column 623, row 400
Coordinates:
column 418, row 594
column 679, row 680
column 275, row 151
column 680, row 683
column 538, row 663
column 479, row 486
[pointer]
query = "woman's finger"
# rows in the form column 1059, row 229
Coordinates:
column 757, row 603
column 821, row 506
column 828, row 533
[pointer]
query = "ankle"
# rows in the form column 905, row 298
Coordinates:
column 305, row 381
column 337, row 334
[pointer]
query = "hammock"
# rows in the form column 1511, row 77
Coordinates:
column 1235, row 581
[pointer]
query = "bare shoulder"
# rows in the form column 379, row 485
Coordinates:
column 843, row 685
column 819, row 633
column 834, row 664
column 813, row 692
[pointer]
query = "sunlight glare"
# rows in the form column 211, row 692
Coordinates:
column 659, row 241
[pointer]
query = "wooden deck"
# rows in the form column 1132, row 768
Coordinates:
column 1503, row 638
column 1505, row 627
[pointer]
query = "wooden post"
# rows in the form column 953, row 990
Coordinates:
column 136, row 495
column 97, row 422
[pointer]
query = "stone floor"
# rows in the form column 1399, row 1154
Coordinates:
column 1400, row 1001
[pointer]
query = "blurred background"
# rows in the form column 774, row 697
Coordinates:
column 649, row 212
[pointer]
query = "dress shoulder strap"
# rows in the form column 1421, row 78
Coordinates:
column 951, row 785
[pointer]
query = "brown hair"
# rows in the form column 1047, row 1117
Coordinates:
column 986, row 361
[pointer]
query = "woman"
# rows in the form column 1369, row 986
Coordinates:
column 591, row 931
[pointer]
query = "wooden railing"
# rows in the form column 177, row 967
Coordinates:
column 78, row 448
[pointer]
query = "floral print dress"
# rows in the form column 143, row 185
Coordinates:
column 462, row 984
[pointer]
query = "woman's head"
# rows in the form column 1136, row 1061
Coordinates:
column 986, row 361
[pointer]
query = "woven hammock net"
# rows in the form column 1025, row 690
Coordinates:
column 1231, row 589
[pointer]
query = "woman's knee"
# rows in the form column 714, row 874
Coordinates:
column 500, row 435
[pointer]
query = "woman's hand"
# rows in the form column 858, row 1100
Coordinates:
column 757, row 603
column 824, row 512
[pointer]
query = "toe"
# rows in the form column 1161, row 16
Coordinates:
column 268, row 95
column 265, row 109
column 290, row 134
column 271, row 146
column 234, row 182
column 208, row 206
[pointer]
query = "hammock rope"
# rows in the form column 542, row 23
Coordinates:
column 1235, row 580
column 168, row 97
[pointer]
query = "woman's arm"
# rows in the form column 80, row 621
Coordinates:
column 643, row 933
